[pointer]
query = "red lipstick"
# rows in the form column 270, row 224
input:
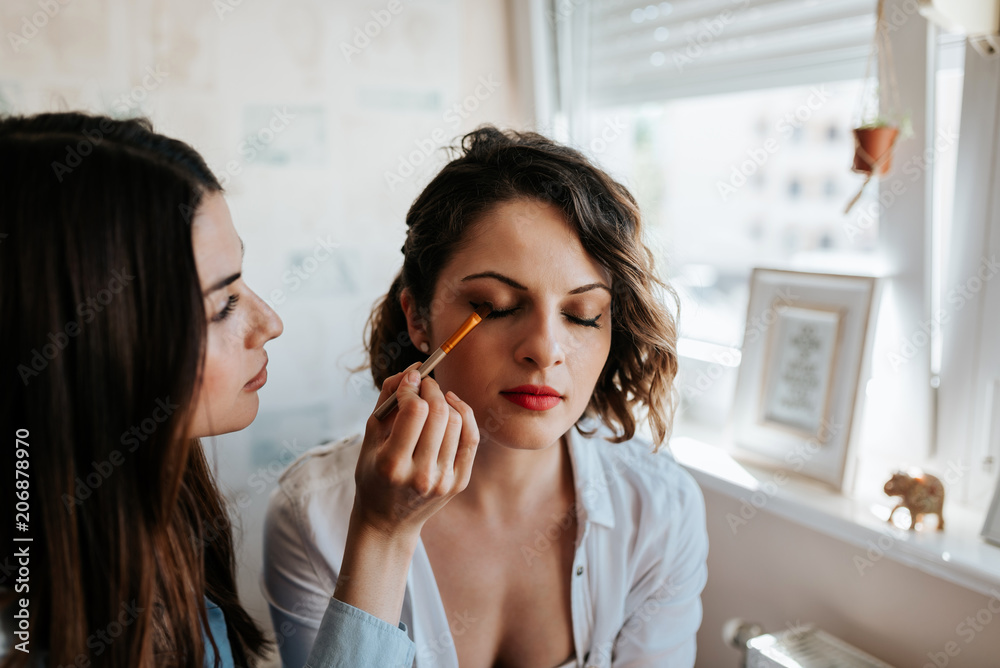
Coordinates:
column 533, row 397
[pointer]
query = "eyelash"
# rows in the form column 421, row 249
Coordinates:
column 503, row 313
column 224, row 313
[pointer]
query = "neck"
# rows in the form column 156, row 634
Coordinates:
column 507, row 482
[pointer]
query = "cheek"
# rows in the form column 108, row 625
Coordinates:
column 588, row 351
column 221, row 364
column 469, row 370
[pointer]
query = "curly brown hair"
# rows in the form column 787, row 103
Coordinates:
column 492, row 167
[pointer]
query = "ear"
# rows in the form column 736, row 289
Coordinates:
column 415, row 324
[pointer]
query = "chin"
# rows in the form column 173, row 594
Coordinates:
column 523, row 436
column 248, row 415
column 239, row 417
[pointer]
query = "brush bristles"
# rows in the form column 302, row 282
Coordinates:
column 484, row 310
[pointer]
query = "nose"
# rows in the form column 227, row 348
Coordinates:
column 267, row 324
column 541, row 343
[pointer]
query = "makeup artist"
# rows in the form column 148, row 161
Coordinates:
column 125, row 269
column 577, row 542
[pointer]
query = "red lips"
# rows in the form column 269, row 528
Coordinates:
column 533, row 397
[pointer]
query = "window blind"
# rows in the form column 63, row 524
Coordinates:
column 637, row 52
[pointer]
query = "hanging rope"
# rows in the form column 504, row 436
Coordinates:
column 888, row 95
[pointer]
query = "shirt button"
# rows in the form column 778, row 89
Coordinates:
column 579, row 570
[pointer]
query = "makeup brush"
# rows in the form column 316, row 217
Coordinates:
column 439, row 354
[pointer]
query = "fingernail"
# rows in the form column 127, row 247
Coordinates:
column 412, row 377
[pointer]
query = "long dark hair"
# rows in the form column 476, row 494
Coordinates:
column 104, row 333
column 492, row 167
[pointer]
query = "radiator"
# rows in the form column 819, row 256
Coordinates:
column 806, row 647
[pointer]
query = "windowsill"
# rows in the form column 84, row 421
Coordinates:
column 958, row 554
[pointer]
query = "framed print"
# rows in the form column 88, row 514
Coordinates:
column 805, row 354
column 991, row 528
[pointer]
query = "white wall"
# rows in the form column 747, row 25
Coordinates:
column 781, row 574
column 220, row 70
column 323, row 177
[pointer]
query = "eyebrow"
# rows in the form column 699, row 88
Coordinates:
column 517, row 286
column 229, row 279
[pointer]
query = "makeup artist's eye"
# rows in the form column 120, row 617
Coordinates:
column 224, row 313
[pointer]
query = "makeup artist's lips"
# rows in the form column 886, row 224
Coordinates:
column 533, row 397
column 257, row 381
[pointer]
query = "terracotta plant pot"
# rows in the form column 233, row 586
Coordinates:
column 873, row 146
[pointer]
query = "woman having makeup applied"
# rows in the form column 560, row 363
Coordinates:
column 576, row 542
column 129, row 334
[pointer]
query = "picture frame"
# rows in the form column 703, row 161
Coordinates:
column 806, row 352
column 991, row 527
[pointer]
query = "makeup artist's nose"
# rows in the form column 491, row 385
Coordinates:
column 540, row 344
column 267, row 324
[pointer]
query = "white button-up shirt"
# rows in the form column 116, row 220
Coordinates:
column 638, row 571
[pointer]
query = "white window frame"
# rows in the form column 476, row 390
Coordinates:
column 968, row 430
column 905, row 402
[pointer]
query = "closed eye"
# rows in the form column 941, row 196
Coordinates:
column 584, row 321
column 503, row 313
column 498, row 313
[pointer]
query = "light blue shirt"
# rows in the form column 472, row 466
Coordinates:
column 347, row 638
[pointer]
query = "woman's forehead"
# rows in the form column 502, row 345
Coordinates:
column 527, row 239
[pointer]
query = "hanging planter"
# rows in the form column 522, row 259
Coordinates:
column 880, row 123
column 873, row 146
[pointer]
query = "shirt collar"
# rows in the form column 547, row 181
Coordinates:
column 590, row 478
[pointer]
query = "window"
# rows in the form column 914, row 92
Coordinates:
column 730, row 121
column 723, row 192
